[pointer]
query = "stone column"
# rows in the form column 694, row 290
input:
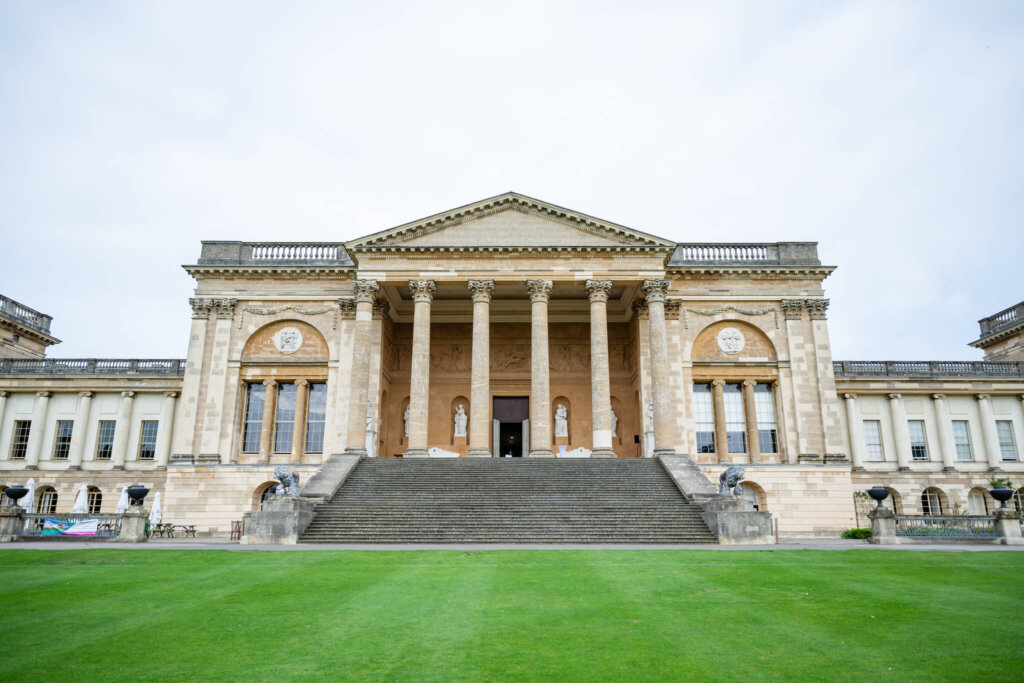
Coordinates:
column 164, row 429
column 365, row 292
column 900, row 431
column 856, row 429
column 656, row 292
column 38, row 428
column 947, row 445
column 76, row 449
column 213, row 410
column 540, row 380
column 750, row 416
column 988, row 431
column 185, row 446
column 299, row 431
column 3, row 406
column 480, row 393
column 419, row 380
column 121, row 429
column 600, row 381
column 721, row 433
column 267, row 428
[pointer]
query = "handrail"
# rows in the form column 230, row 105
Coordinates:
column 92, row 366
column 926, row 368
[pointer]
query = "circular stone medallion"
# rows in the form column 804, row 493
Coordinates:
column 730, row 340
column 289, row 340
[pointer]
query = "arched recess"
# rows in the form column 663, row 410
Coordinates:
column 95, row 499
column 4, row 500
column 261, row 494
column 893, row 502
column 734, row 341
column 262, row 345
column 403, row 431
column 755, row 494
column 561, row 400
column 46, row 500
column 934, row 501
column 1018, row 501
column 456, row 402
column 617, row 423
column 382, row 421
column 977, row 501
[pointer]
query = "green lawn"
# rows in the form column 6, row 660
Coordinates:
column 499, row 615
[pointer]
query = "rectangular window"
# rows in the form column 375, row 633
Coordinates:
column 256, row 395
column 62, row 439
column 284, row 420
column 764, row 409
column 962, row 439
column 105, row 439
column 19, row 444
column 147, row 439
column 95, row 499
column 918, row 444
column 735, row 420
column 316, row 413
column 873, row 441
column 704, row 416
column 1007, row 448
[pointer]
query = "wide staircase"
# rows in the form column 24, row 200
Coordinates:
column 506, row 500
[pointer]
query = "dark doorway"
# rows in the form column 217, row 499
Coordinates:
column 510, row 439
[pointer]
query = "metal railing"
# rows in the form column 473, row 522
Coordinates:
column 946, row 526
column 92, row 366
column 926, row 368
column 763, row 254
column 274, row 253
column 21, row 313
column 1002, row 320
column 35, row 524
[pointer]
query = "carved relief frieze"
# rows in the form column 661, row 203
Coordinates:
column 753, row 312
column 301, row 310
column 509, row 358
column 570, row 358
column 449, row 358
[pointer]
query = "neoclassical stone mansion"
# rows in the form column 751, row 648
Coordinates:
column 511, row 328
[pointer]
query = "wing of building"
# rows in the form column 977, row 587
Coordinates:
column 512, row 327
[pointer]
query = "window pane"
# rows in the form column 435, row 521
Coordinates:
column 873, row 440
column 62, row 439
column 764, row 409
column 1007, row 448
column 735, row 420
column 962, row 439
column 918, row 445
column 930, row 503
column 284, row 421
column 19, row 443
column 704, row 417
column 255, row 401
column 47, row 502
column 95, row 500
column 976, row 503
column 105, row 439
column 316, row 413
column 147, row 440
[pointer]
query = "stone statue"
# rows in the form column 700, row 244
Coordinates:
column 561, row 421
column 289, row 485
column 460, row 421
column 405, row 419
column 729, row 481
column 615, row 423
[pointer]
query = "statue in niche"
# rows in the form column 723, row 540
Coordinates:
column 561, row 421
column 405, row 419
column 460, row 421
column 650, row 414
column 615, row 423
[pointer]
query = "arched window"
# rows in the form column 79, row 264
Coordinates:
column 931, row 501
column 977, row 502
column 46, row 502
column 261, row 494
column 1018, row 501
column 4, row 500
column 893, row 502
column 755, row 494
column 95, row 500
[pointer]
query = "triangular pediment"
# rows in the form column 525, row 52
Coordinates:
column 509, row 220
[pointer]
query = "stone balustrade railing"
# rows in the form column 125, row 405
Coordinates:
column 10, row 308
column 274, row 253
column 1003, row 319
column 762, row 254
column 932, row 368
column 91, row 366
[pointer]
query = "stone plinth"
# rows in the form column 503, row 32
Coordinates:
column 10, row 523
column 1008, row 526
column 281, row 521
column 735, row 522
column 883, row 526
column 133, row 526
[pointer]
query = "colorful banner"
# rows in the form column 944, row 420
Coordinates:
column 66, row 527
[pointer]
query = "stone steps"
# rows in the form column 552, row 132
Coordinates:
column 497, row 500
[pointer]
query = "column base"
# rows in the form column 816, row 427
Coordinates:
column 415, row 453
column 30, row 467
column 659, row 452
column 74, row 468
column 358, row 451
column 603, row 453
column 949, row 469
column 903, row 468
column 118, row 468
column 478, row 453
column 541, row 453
column 990, row 469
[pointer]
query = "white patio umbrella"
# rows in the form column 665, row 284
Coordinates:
column 28, row 503
column 81, row 505
column 122, row 502
column 156, row 515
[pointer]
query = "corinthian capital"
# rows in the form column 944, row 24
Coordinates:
column 481, row 290
column 201, row 307
column 422, row 290
column 817, row 308
column 655, row 290
column 225, row 307
column 792, row 309
column 540, row 290
column 365, row 291
column 597, row 290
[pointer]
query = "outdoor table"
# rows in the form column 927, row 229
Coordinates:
column 189, row 529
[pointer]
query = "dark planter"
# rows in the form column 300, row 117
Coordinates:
column 878, row 493
column 137, row 494
column 15, row 493
column 1002, row 494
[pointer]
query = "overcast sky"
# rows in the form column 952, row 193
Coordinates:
column 889, row 132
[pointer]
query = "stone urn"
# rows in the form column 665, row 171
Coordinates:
column 1002, row 494
column 15, row 493
column 137, row 494
column 878, row 494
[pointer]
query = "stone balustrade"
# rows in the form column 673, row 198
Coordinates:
column 763, row 254
column 92, row 366
column 29, row 317
column 1002, row 320
column 900, row 368
column 274, row 253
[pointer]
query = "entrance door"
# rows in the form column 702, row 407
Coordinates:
column 510, row 439
column 511, row 426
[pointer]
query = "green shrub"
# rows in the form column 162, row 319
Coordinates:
column 857, row 533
